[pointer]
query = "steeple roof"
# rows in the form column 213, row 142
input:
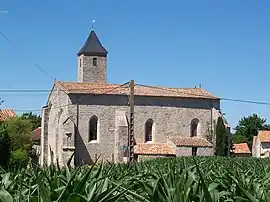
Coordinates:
column 92, row 46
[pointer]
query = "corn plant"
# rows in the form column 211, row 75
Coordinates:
column 185, row 179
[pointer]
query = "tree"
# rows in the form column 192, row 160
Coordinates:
column 19, row 132
column 5, row 145
column 221, row 138
column 34, row 119
column 248, row 127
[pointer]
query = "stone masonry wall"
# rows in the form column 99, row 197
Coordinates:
column 171, row 117
column 57, row 112
column 89, row 73
column 205, row 151
column 142, row 158
column 44, row 136
column 184, row 151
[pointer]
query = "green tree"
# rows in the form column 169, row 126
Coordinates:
column 238, row 139
column 248, row 127
column 19, row 132
column 221, row 138
column 5, row 145
column 34, row 119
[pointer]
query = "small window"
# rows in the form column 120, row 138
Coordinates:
column 93, row 128
column 68, row 135
column 194, row 127
column 94, row 61
column 148, row 130
column 80, row 62
column 194, row 151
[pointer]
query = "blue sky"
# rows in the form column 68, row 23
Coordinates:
column 222, row 45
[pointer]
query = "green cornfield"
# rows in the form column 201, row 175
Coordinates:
column 167, row 180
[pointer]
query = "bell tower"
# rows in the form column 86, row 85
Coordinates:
column 92, row 61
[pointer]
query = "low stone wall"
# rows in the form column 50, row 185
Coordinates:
column 183, row 151
column 241, row 155
column 205, row 151
column 201, row 151
column 141, row 158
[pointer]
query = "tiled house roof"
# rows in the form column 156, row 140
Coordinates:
column 116, row 89
column 153, row 149
column 190, row 142
column 241, row 148
column 5, row 114
column 36, row 134
column 264, row 136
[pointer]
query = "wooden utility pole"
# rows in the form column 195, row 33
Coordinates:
column 131, row 123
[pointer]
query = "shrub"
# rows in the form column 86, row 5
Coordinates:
column 19, row 158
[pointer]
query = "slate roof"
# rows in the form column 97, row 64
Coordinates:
column 190, row 142
column 117, row 89
column 241, row 148
column 36, row 134
column 264, row 136
column 92, row 46
column 5, row 114
column 153, row 149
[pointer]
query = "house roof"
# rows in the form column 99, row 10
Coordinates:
column 92, row 46
column 264, row 136
column 153, row 149
column 241, row 148
column 117, row 89
column 5, row 114
column 36, row 134
column 190, row 142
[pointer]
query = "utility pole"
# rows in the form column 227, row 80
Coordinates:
column 131, row 123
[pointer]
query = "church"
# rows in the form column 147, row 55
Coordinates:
column 90, row 117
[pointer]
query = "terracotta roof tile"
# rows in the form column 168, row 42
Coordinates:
column 5, row 114
column 190, row 142
column 116, row 89
column 264, row 136
column 153, row 149
column 241, row 148
column 36, row 134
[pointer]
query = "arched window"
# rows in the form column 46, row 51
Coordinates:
column 94, row 61
column 194, row 127
column 93, row 128
column 148, row 130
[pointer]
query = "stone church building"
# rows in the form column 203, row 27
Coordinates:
column 90, row 117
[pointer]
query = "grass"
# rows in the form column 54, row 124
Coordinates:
column 160, row 180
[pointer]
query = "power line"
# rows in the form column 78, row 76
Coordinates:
column 45, row 73
column 59, row 107
column 246, row 101
column 111, row 90
column 222, row 98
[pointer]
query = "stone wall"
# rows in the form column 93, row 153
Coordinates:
column 52, row 132
column 183, row 151
column 44, row 136
column 205, row 151
column 141, row 158
column 89, row 73
column 121, row 137
column 172, row 116
column 241, row 155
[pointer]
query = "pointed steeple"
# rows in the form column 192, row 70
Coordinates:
column 92, row 46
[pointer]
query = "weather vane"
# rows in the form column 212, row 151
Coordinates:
column 93, row 22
